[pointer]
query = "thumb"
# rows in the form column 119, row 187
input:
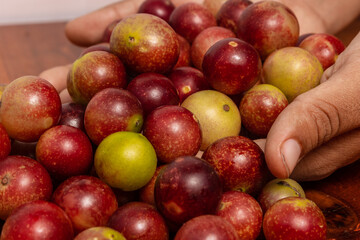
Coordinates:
column 315, row 117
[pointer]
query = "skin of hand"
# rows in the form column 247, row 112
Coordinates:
column 306, row 146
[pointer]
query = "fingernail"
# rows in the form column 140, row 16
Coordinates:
column 290, row 151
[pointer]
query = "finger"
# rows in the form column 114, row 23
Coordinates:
column 314, row 118
column 323, row 161
column 89, row 29
column 56, row 76
column 65, row 96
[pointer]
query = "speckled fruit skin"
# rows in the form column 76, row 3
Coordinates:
column 22, row 180
column 240, row 163
column 277, row 189
column 268, row 26
column 153, row 90
column 38, row 220
column 232, row 66
column 139, row 221
column 293, row 70
column 94, row 72
column 64, row 151
column 260, row 106
column 145, row 43
column 189, row 19
column 188, row 187
column 29, row 106
column 184, row 56
column 5, row 143
column 125, row 160
column 112, row 110
column 159, row 8
column 217, row 114
column 72, row 114
column 229, row 13
column 206, row 227
column 100, row 233
column 243, row 212
column 326, row 47
column 294, row 218
column 87, row 200
column 204, row 40
column 187, row 81
column 173, row 131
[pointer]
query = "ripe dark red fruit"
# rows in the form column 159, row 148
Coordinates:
column 38, row 220
column 87, row 200
column 159, row 8
column 64, row 151
column 240, row 163
column 22, row 180
column 188, row 187
column 232, row 66
column 229, row 13
column 139, row 221
column 5, row 143
column 72, row 114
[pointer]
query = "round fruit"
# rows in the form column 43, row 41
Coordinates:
column 125, row 160
column 99, row 233
column 217, row 114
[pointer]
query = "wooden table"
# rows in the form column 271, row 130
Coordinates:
column 30, row 49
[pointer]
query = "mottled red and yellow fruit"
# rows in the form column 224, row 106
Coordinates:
column 268, row 26
column 260, row 106
column 100, row 233
column 326, row 47
column 112, row 110
column 230, row 12
column 145, row 43
column 232, row 66
column 293, row 70
column 294, row 218
column 243, row 212
column 218, row 115
column 94, row 72
column 29, row 106
column 240, row 163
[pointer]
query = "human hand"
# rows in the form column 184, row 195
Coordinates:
column 319, row 131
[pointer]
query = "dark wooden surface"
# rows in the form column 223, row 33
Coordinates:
column 30, row 49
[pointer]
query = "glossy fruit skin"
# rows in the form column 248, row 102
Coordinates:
column 277, row 189
column 240, row 163
column 129, row 157
column 188, row 187
column 187, row 81
column 189, row 19
column 232, row 66
column 145, row 43
column 243, row 212
column 268, row 26
column 22, row 180
column 159, row 8
column 204, row 40
column 139, row 221
column 65, row 151
column 259, row 108
column 173, row 131
column 112, row 110
column 29, row 106
column 293, row 70
column 5, row 143
column 94, row 72
column 326, row 47
column 72, row 114
column 184, row 56
column 230, row 11
column 87, row 200
column 153, row 90
column 206, row 227
column 294, row 218
column 217, row 113
column 99, row 233
column 38, row 220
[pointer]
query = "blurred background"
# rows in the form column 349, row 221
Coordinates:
column 38, row 11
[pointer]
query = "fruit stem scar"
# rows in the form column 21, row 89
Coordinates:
column 233, row 44
column 131, row 38
column 4, row 180
column 226, row 107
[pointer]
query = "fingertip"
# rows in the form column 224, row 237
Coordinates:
column 56, row 76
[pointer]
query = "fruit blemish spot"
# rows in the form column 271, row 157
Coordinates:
column 226, row 107
column 233, row 44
